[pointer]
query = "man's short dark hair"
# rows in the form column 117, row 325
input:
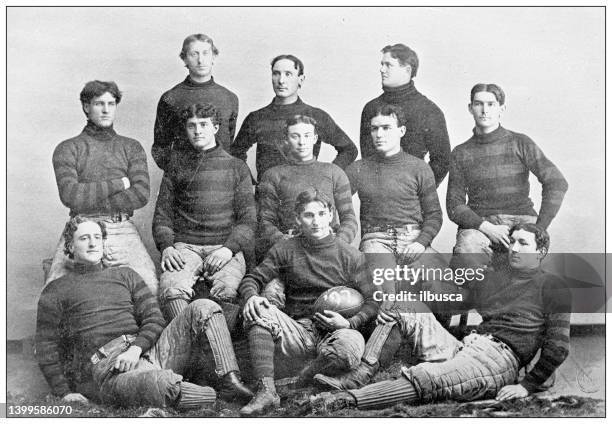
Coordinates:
column 300, row 119
column 404, row 55
column 297, row 63
column 72, row 225
column 96, row 88
column 197, row 37
column 542, row 238
column 491, row 88
column 312, row 195
column 390, row 110
column 200, row 110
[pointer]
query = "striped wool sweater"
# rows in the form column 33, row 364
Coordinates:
column 89, row 167
column 168, row 133
column 493, row 171
column 206, row 199
column 266, row 127
column 280, row 186
column 395, row 191
column 308, row 268
column 425, row 127
column 85, row 309
column 528, row 311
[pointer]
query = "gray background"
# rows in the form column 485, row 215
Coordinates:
column 549, row 60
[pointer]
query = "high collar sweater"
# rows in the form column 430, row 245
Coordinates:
column 266, row 128
column 397, row 190
column 493, row 171
column 89, row 169
column 425, row 127
column 168, row 133
column 85, row 309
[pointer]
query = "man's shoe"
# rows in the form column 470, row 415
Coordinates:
column 264, row 400
column 233, row 388
column 353, row 379
column 330, row 402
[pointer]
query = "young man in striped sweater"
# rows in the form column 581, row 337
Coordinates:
column 103, row 175
column 100, row 334
column 199, row 54
column 309, row 264
column 266, row 127
column 523, row 311
column 204, row 220
column 492, row 169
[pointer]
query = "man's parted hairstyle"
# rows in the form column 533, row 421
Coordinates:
column 491, row 88
column 200, row 110
column 72, row 225
column 96, row 88
column 197, row 37
column 404, row 55
column 297, row 63
column 390, row 110
column 541, row 235
column 312, row 195
column 300, row 119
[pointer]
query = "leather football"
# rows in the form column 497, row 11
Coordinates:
column 344, row 300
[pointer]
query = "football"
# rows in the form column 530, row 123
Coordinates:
column 344, row 300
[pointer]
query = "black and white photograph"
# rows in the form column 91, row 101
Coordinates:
column 305, row 211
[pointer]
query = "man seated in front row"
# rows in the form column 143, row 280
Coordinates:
column 204, row 219
column 100, row 333
column 309, row 264
column 523, row 311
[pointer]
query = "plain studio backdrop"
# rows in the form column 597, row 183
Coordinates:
column 549, row 60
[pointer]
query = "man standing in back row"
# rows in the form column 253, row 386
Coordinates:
column 199, row 54
column 266, row 126
column 425, row 124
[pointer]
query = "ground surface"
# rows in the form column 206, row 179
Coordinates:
column 579, row 391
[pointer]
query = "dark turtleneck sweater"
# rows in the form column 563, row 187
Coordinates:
column 280, row 186
column 85, row 309
column 310, row 267
column 89, row 168
column 493, row 171
column 168, row 134
column 527, row 310
column 206, row 198
column 397, row 190
column 266, row 127
column 425, row 127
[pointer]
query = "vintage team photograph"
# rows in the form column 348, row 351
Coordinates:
column 305, row 212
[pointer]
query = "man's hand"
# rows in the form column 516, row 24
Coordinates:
column 114, row 257
column 413, row 251
column 331, row 320
column 253, row 306
column 127, row 360
column 496, row 233
column 217, row 260
column 126, row 182
column 75, row 397
column 387, row 313
column 172, row 259
column 512, row 391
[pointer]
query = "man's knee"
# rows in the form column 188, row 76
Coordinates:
column 472, row 241
column 204, row 307
column 344, row 348
column 169, row 294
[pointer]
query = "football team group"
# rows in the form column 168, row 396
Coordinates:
column 248, row 260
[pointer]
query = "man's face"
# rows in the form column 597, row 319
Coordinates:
column 87, row 243
column 386, row 135
column 523, row 253
column 285, row 79
column 315, row 220
column 486, row 110
column 201, row 133
column 101, row 110
column 301, row 139
column 392, row 73
column 199, row 60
